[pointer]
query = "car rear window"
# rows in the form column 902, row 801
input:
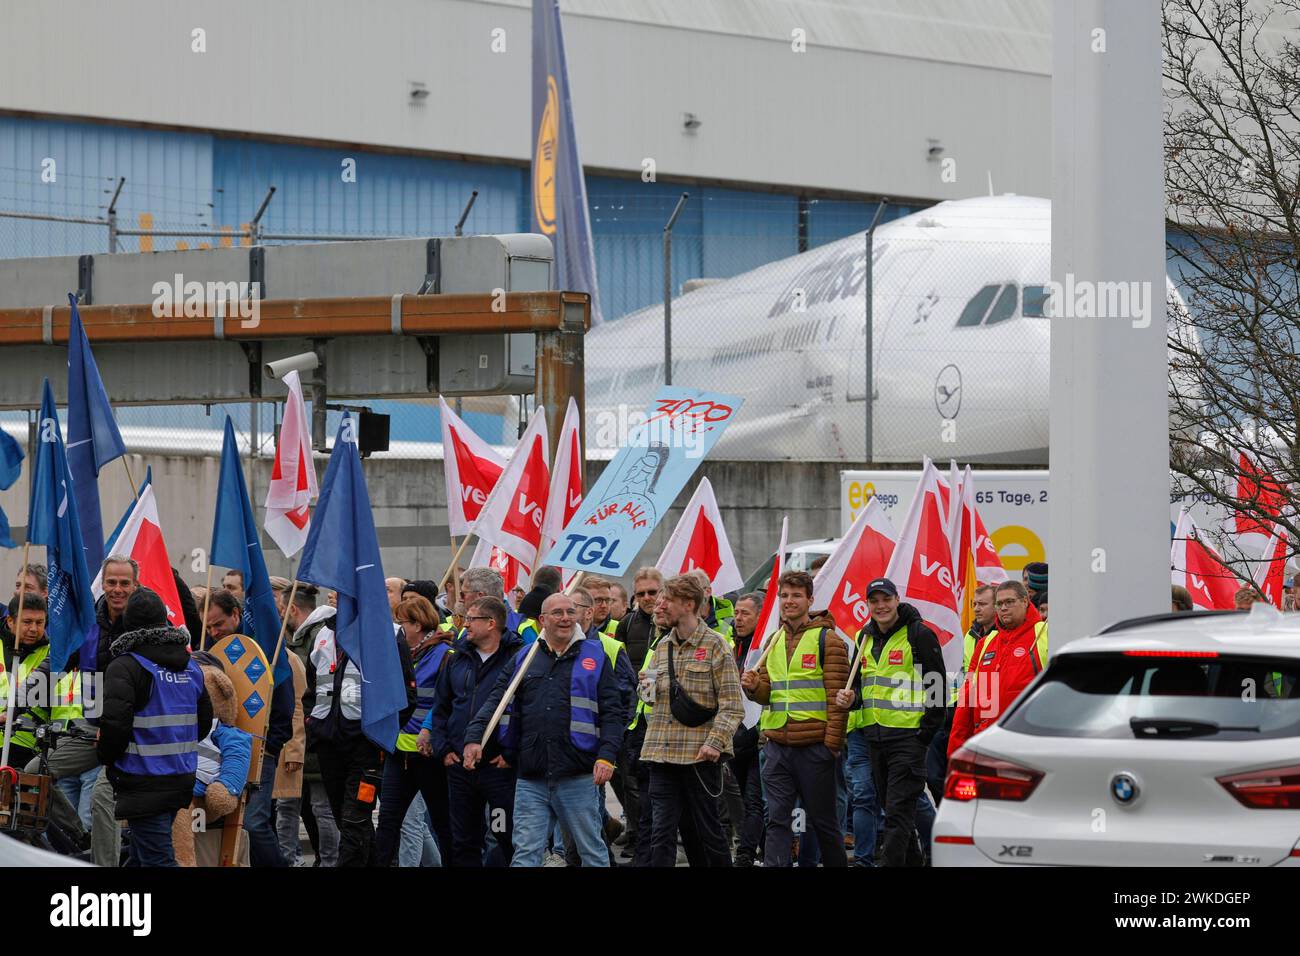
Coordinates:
column 1220, row 697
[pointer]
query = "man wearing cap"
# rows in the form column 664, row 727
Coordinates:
column 902, row 699
column 1035, row 574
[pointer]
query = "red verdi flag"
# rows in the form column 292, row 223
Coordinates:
column 512, row 517
column 1270, row 576
column 471, row 467
column 861, row 556
column 1198, row 567
column 921, row 566
column 700, row 541
column 566, row 478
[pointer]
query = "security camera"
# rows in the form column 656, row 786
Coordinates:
column 303, row 362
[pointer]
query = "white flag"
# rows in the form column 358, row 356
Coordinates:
column 293, row 478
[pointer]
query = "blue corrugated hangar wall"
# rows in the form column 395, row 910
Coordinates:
column 201, row 181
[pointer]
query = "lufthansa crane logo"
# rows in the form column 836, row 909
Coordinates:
column 947, row 392
column 545, row 161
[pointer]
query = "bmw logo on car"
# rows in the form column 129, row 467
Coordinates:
column 1123, row 788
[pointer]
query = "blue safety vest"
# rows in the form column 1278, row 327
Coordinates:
column 584, row 709
column 426, row 675
column 165, row 733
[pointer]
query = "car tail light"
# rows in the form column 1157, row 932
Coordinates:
column 959, row 840
column 1275, row 789
column 1186, row 654
column 977, row 776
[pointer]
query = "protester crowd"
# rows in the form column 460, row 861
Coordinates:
column 641, row 727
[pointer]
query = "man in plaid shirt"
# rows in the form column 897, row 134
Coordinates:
column 685, row 762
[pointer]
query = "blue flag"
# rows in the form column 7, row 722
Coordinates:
column 93, row 438
column 342, row 553
column 559, row 190
column 235, row 545
column 11, row 466
column 52, row 521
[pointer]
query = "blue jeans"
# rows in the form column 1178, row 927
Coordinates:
column 259, row 820
column 868, row 817
column 151, row 841
column 78, row 790
column 416, row 847
column 541, row 803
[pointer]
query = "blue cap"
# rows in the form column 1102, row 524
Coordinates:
column 882, row 584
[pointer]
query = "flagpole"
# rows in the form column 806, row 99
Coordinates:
column 131, row 478
column 13, row 674
column 523, row 669
column 284, row 626
column 455, row 559
column 857, row 654
column 207, row 600
column 455, row 581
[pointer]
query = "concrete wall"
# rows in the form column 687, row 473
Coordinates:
column 409, row 502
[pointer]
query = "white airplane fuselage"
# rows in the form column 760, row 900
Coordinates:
column 960, row 344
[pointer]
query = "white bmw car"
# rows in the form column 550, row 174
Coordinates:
column 1164, row 741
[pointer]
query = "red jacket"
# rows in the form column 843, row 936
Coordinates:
column 998, row 673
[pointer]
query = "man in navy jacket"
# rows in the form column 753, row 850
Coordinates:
column 464, row 684
column 566, row 721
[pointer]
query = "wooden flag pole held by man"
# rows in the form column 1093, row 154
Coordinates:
column 207, row 600
column 523, row 668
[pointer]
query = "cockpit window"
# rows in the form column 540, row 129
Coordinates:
column 979, row 304
column 1035, row 302
column 1005, row 307
column 990, row 305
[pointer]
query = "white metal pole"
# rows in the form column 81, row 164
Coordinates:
column 1109, row 485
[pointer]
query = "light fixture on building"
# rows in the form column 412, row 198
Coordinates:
column 419, row 93
column 935, row 151
column 691, row 122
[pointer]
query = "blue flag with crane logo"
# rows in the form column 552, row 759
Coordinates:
column 559, row 190
column 342, row 553
column 53, row 522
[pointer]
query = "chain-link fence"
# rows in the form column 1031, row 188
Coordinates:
column 770, row 302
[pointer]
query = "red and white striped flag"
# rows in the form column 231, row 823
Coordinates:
column 471, row 467
column 141, row 539
column 700, row 541
column 293, row 478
